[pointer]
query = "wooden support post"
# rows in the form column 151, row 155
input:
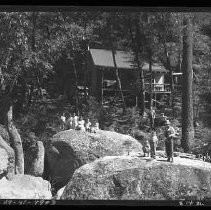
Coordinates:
column 155, row 100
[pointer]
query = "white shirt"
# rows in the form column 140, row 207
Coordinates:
column 63, row 118
column 70, row 121
column 81, row 125
column 154, row 138
column 75, row 121
column 88, row 125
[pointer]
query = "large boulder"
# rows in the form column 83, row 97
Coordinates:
column 3, row 162
column 138, row 178
column 25, row 187
column 70, row 149
column 7, row 158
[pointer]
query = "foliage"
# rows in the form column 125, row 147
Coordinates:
column 202, row 140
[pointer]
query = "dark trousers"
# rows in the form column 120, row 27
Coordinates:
column 152, row 149
column 152, row 122
column 169, row 147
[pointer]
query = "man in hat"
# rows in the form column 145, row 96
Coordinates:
column 169, row 135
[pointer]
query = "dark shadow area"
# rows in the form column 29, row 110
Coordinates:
column 60, row 164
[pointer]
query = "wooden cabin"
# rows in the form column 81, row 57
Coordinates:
column 102, row 78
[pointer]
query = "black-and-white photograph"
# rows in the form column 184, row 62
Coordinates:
column 104, row 106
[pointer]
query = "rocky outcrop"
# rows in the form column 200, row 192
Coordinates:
column 25, row 187
column 3, row 162
column 70, row 149
column 59, row 193
column 4, row 133
column 129, row 178
column 37, row 165
column 7, row 158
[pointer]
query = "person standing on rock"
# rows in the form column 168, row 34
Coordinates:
column 146, row 148
column 63, row 119
column 75, row 121
column 70, row 122
column 169, row 135
column 153, row 144
column 81, row 123
column 95, row 128
column 88, row 126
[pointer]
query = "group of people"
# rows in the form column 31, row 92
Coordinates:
column 78, row 123
column 169, row 133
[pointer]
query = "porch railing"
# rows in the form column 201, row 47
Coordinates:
column 158, row 87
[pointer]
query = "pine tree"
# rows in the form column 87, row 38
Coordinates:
column 187, row 95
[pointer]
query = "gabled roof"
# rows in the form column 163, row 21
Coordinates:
column 124, row 60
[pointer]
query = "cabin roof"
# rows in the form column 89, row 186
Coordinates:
column 124, row 60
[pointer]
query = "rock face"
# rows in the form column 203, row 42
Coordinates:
column 3, row 162
column 25, row 187
column 37, row 165
column 128, row 178
column 4, row 133
column 7, row 158
column 59, row 193
column 70, row 149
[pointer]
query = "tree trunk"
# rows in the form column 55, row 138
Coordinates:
column 187, row 97
column 151, row 78
column 118, row 79
column 76, row 83
column 140, row 92
column 19, row 106
column 171, row 78
column 116, row 69
column 140, row 77
column 34, row 20
column 16, row 143
column 29, row 96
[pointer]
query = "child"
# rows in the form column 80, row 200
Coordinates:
column 95, row 128
column 146, row 149
column 88, row 126
column 80, row 125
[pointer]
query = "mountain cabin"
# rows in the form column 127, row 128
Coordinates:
column 101, row 76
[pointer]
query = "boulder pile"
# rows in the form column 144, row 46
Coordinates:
column 138, row 178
